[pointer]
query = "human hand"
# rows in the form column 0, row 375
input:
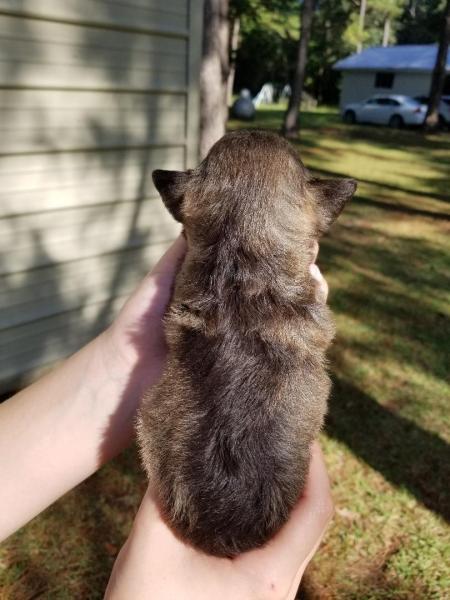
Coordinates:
column 155, row 563
column 133, row 347
column 321, row 284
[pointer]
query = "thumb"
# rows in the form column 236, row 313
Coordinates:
column 320, row 282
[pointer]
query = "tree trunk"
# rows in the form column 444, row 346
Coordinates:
column 291, row 118
column 437, row 81
column 362, row 18
column 386, row 31
column 234, row 45
column 214, row 72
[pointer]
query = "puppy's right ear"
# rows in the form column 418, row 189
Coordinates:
column 172, row 187
column 331, row 196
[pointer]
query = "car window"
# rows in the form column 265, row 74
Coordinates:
column 383, row 101
column 412, row 102
column 371, row 101
column 393, row 102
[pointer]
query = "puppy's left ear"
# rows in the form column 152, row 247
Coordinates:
column 172, row 187
column 331, row 195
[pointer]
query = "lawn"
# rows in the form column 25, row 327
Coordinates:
column 387, row 438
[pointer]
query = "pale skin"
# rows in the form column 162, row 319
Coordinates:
column 61, row 429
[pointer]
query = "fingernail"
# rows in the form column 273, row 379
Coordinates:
column 315, row 271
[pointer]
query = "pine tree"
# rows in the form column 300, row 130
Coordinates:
column 291, row 123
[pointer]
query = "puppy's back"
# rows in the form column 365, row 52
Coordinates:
column 223, row 443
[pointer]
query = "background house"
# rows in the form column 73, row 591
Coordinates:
column 93, row 96
column 395, row 69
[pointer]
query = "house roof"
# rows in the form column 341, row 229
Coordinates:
column 393, row 58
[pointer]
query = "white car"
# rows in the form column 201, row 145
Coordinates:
column 388, row 109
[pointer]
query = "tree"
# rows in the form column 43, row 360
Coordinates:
column 220, row 37
column 267, row 42
column 362, row 18
column 331, row 20
column 387, row 11
column 291, row 122
column 235, row 26
column 439, row 73
column 420, row 22
column 214, row 71
column 375, row 23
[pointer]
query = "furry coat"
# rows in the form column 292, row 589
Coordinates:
column 225, row 435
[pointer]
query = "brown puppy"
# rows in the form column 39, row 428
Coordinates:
column 225, row 436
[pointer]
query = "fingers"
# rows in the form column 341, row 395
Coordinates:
column 150, row 299
column 169, row 263
column 290, row 551
column 320, row 282
column 312, row 514
column 160, row 280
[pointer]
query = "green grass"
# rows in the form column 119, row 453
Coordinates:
column 387, row 261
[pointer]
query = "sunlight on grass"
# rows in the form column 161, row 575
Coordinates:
column 387, row 261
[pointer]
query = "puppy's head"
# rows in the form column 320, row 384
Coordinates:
column 252, row 184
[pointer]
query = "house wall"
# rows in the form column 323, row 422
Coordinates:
column 93, row 96
column 358, row 85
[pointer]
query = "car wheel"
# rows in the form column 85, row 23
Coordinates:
column 396, row 122
column 349, row 117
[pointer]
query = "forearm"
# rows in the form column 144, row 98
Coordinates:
column 59, row 430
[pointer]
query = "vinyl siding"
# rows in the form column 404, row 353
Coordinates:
column 94, row 94
column 359, row 85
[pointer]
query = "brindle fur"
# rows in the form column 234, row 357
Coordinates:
column 225, row 436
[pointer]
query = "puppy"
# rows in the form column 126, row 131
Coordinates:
column 225, row 436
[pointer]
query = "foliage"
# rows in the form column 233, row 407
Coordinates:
column 268, row 41
column 376, row 14
column 421, row 22
column 326, row 47
column 270, row 30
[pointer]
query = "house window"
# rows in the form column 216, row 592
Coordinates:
column 384, row 80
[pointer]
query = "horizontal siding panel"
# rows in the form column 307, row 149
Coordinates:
column 39, row 293
column 96, row 230
column 46, row 54
column 43, row 182
column 141, row 14
column 55, row 338
column 94, row 95
column 41, row 120
column 20, row 340
column 78, row 221
column 32, row 345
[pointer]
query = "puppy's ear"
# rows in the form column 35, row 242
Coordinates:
column 172, row 187
column 331, row 196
